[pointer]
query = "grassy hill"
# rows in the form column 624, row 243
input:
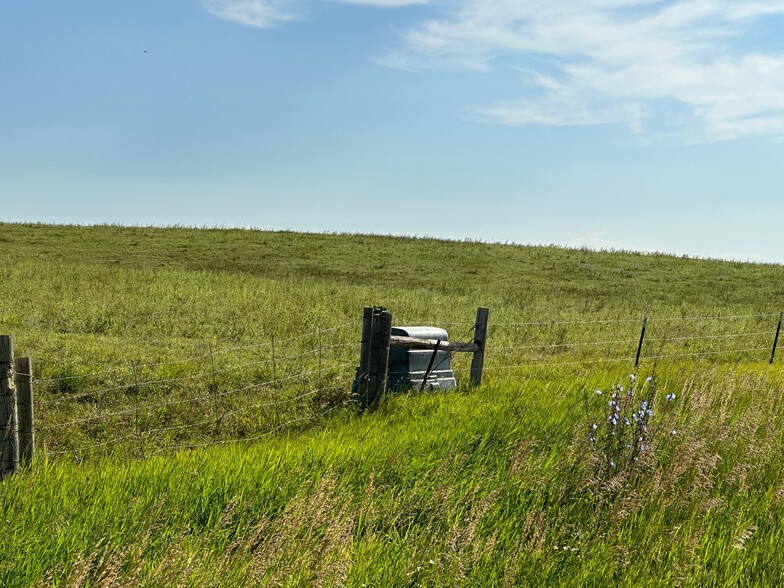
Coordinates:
column 181, row 446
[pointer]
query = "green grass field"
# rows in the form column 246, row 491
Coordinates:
column 178, row 445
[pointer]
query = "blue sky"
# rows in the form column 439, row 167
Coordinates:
column 636, row 124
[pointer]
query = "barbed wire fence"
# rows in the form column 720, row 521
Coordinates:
column 633, row 342
column 524, row 346
column 227, row 395
column 244, row 393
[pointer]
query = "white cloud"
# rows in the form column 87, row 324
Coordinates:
column 662, row 67
column 267, row 13
column 618, row 61
column 256, row 13
column 385, row 3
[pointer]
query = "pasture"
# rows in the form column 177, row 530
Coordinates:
column 194, row 431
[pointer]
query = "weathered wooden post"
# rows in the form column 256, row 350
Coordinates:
column 480, row 337
column 364, row 355
column 9, row 434
column 378, row 363
column 23, row 378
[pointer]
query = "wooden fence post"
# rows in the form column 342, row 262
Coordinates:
column 364, row 355
column 379, row 357
column 480, row 337
column 23, row 377
column 9, row 434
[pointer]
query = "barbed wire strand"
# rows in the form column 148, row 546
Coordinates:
column 708, row 337
column 120, row 439
column 226, row 414
column 624, row 341
column 261, row 436
column 523, row 365
column 575, row 344
column 193, row 357
column 570, row 322
column 555, row 363
column 101, row 392
column 629, row 320
column 711, row 318
column 147, row 383
column 191, row 399
column 434, row 322
column 701, row 353
column 288, row 340
column 268, row 360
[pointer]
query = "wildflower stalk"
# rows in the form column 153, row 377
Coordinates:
column 625, row 426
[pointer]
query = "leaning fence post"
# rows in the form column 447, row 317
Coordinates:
column 23, row 378
column 9, row 434
column 642, row 339
column 480, row 337
column 776, row 339
column 379, row 357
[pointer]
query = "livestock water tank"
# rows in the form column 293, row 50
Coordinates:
column 407, row 367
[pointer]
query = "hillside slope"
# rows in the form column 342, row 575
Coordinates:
column 180, row 446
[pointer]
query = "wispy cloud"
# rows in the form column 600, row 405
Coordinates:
column 385, row 3
column 695, row 68
column 267, row 13
column 256, row 13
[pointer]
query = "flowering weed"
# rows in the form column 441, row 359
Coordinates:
column 623, row 422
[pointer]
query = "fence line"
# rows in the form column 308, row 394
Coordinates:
column 569, row 322
column 701, row 353
column 304, row 377
column 151, row 410
column 435, row 322
column 257, row 437
column 287, row 340
column 147, row 383
column 229, row 413
column 205, row 355
column 302, row 374
column 211, row 395
column 651, row 319
column 313, row 352
column 114, row 441
column 710, row 318
column 709, row 337
column 623, row 341
column 630, row 359
column 193, row 358
column 575, row 344
column 101, row 392
column 491, row 368
column 120, row 439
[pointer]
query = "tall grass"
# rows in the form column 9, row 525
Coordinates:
column 496, row 486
